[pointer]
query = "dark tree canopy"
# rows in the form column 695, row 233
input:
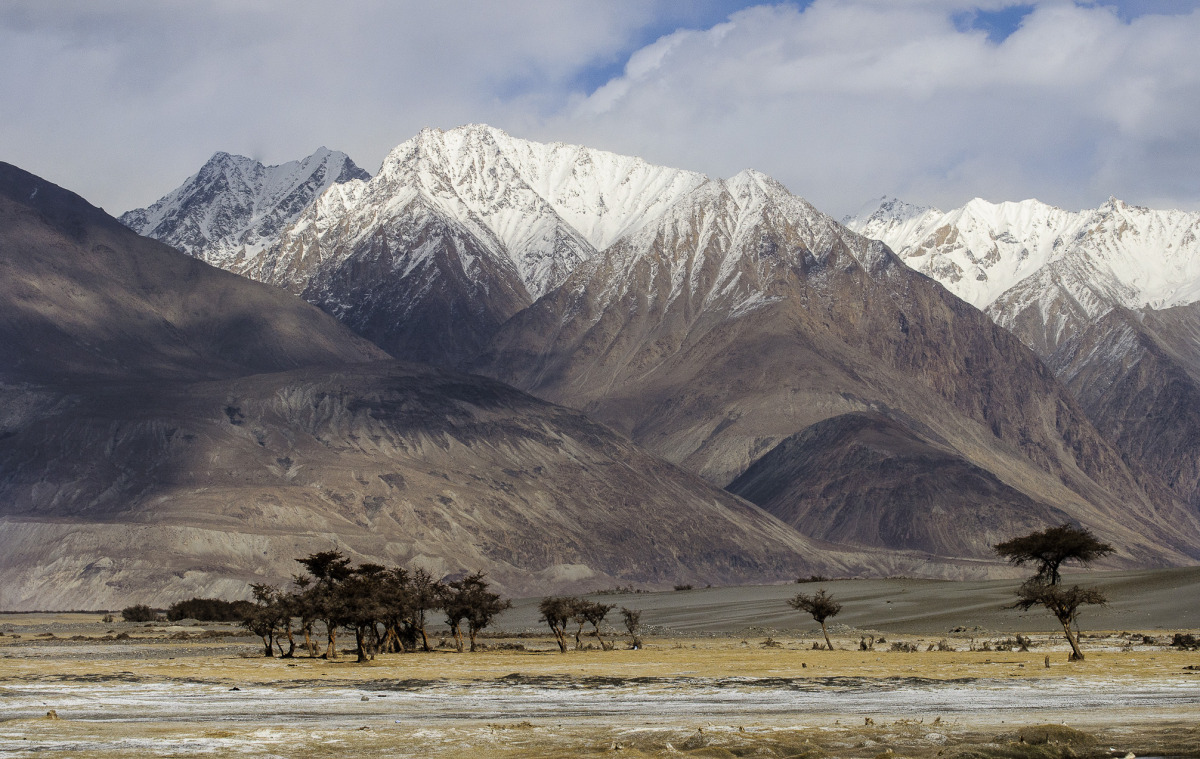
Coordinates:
column 821, row 606
column 469, row 600
column 1051, row 547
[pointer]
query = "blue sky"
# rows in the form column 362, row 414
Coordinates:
column 935, row 101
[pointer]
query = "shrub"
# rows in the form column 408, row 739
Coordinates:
column 139, row 613
column 209, row 610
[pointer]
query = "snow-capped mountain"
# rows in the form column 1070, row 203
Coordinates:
column 538, row 209
column 1039, row 270
column 234, row 207
column 458, row 231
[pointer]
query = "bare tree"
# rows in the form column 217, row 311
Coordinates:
column 557, row 612
column 633, row 625
column 594, row 613
column 1062, row 602
column 821, row 606
column 1051, row 547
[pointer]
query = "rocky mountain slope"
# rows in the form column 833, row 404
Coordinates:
column 710, row 320
column 927, row 486
column 1105, row 296
column 235, row 206
column 157, row 493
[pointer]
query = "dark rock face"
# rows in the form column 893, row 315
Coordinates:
column 865, row 479
column 442, row 310
column 1137, row 374
column 203, row 487
column 83, row 297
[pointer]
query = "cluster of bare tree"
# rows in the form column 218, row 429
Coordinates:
column 559, row 612
column 385, row 608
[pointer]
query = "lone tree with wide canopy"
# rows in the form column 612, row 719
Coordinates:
column 821, row 606
column 1049, row 549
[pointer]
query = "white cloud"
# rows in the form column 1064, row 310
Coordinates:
column 842, row 100
column 123, row 99
column 846, row 100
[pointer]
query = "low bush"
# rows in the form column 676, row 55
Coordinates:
column 210, row 610
column 139, row 613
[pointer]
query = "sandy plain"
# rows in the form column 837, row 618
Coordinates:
column 724, row 673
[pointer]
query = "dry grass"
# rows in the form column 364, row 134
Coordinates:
column 1001, row 736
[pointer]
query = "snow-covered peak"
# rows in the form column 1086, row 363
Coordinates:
column 235, row 206
column 1044, row 271
column 601, row 195
column 977, row 251
column 887, row 212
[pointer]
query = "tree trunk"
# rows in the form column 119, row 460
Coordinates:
column 291, row 639
column 360, row 640
column 828, row 644
column 561, row 637
column 456, row 630
column 331, row 652
column 603, row 646
column 1076, row 654
column 268, row 646
column 308, row 641
column 391, row 643
column 578, row 635
column 424, row 637
column 472, row 631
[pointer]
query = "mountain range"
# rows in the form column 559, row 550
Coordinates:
column 710, row 320
column 561, row 365
column 169, row 429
